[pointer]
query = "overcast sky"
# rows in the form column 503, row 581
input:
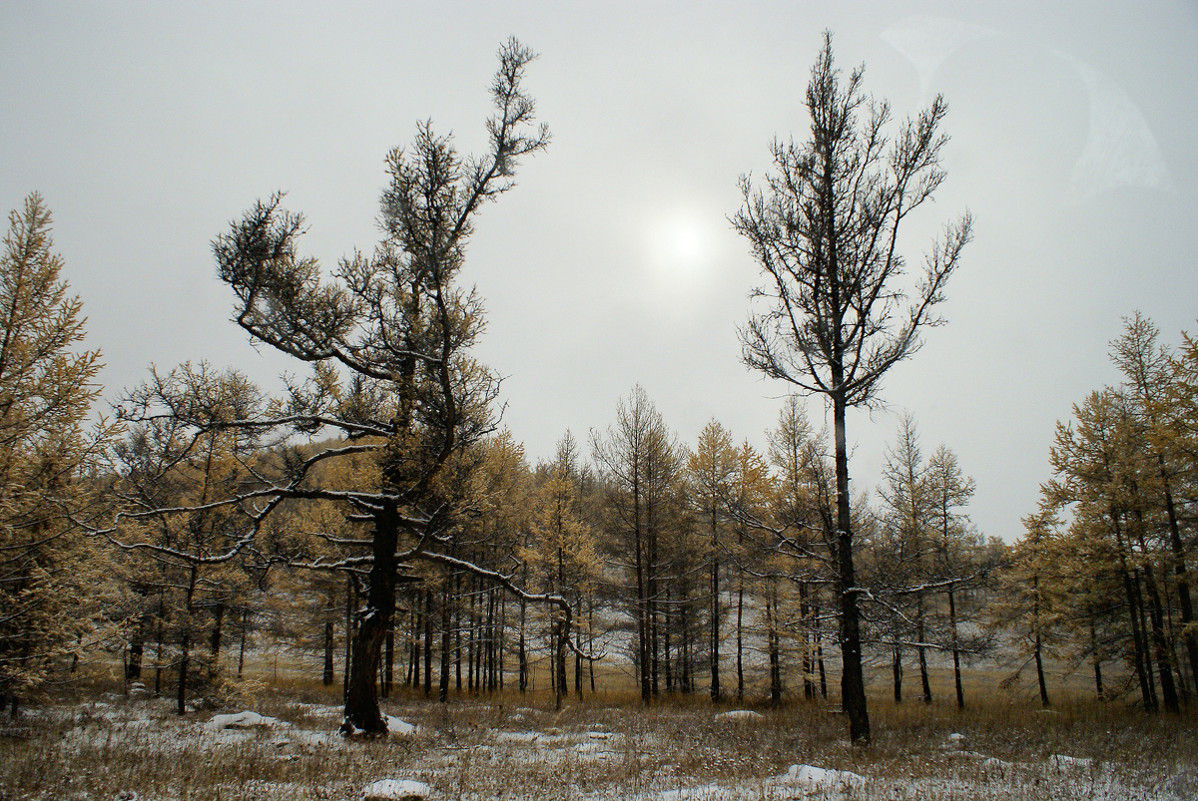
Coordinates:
column 149, row 126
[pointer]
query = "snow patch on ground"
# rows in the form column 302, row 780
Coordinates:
column 398, row 728
column 396, row 790
column 245, row 720
column 814, row 778
column 706, row 792
column 739, row 715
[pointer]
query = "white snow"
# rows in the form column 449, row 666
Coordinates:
column 396, row 790
column 246, row 720
column 739, row 715
column 398, row 728
column 1061, row 762
column 954, row 742
column 706, row 792
column 813, row 778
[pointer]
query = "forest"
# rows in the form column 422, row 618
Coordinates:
column 376, row 525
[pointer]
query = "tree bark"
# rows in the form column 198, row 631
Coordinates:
column 218, row 620
column 327, row 677
column 245, row 633
column 185, row 645
column 714, row 633
column 740, row 643
column 952, row 622
column 446, row 646
column 1181, row 576
column 361, row 698
column 852, row 679
column 521, row 653
column 1040, row 672
column 921, row 634
column 137, row 648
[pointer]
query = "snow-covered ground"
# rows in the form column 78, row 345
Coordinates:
column 121, row 749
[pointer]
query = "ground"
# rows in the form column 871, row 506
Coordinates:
column 518, row 748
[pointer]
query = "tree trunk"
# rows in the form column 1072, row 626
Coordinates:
column 591, row 639
column 350, row 603
column 521, row 653
column 218, row 620
column 361, row 698
column 896, row 671
column 1141, row 611
column 327, row 677
column 577, row 651
column 1040, row 672
column 714, row 633
column 137, row 648
column 1143, row 673
column 1163, row 657
column 952, row 622
column 668, row 664
column 852, row 678
column 428, row 642
column 740, row 642
column 501, row 640
column 808, row 642
column 446, row 646
column 473, row 641
column 159, row 635
column 921, row 634
column 651, row 580
column 642, row 602
column 245, row 633
column 185, row 645
column 775, row 657
column 457, row 637
column 1181, row 574
column 819, row 651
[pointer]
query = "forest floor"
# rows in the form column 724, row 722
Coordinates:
column 513, row 747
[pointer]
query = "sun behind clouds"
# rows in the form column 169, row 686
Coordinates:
column 681, row 247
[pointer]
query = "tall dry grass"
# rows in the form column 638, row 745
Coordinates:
column 603, row 746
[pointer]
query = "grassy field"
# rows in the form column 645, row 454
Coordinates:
column 100, row 745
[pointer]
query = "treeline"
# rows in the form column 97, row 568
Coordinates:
column 1102, row 573
column 705, row 567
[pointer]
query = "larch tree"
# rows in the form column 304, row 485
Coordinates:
column 802, row 514
column 1104, row 472
column 832, row 314
column 386, row 337
column 48, row 570
column 562, row 553
column 709, row 471
column 754, row 539
column 1149, row 379
column 950, row 490
column 907, row 504
column 1030, row 594
column 639, row 459
column 179, row 478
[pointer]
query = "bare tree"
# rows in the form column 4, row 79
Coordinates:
column 824, row 230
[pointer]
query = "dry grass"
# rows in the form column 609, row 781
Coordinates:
column 606, row 746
